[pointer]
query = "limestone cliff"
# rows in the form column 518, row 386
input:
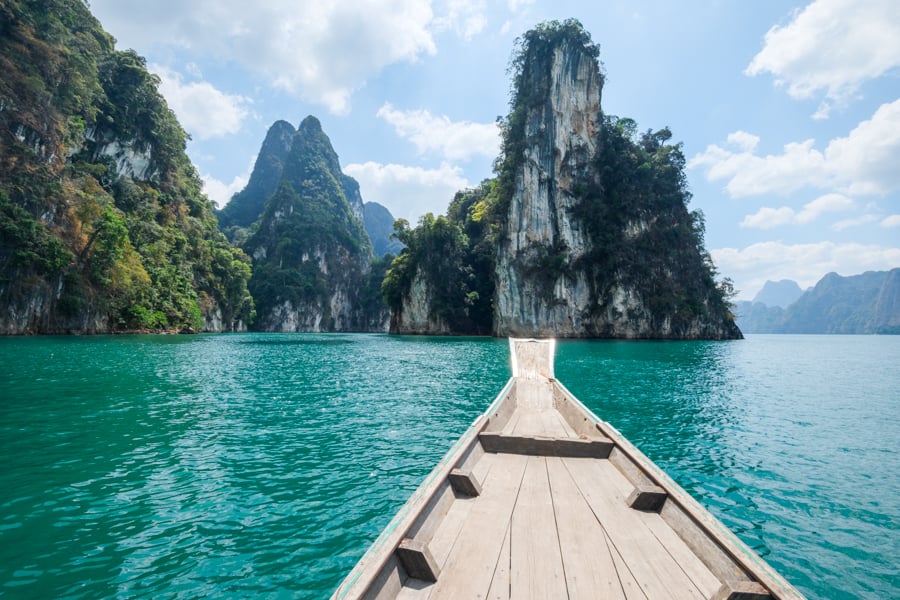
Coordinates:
column 595, row 239
column 311, row 254
column 441, row 282
column 103, row 225
column 246, row 206
column 561, row 124
column 416, row 316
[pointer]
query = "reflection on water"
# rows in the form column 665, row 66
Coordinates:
column 250, row 464
column 785, row 438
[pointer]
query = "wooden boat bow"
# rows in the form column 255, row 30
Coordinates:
column 540, row 498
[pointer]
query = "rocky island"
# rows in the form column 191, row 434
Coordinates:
column 585, row 231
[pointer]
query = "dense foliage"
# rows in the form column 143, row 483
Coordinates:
column 245, row 208
column 642, row 234
column 308, row 244
column 631, row 202
column 454, row 255
column 104, row 223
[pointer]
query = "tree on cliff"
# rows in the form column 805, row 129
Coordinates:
column 103, row 220
column 452, row 258
column 584, row 233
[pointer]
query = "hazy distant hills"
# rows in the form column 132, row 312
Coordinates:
column 779, row 293
column 859, row 304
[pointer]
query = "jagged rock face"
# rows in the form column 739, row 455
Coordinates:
column 415, row 316
column 595, row 239
column 104, row 227
column 36, row 313
column 247, row 205
column 354, row 198
column 562, row 142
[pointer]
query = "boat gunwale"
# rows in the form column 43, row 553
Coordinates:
column 717, row 532
column 380, row 551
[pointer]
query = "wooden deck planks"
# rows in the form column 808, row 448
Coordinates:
column 690, row 563
column 544, row 422
column 549, row 527
column 528, row 423
column 536, row 570
column 554, row 425
column 500, row 583
column 648, row 561
column 470, row 567
column 589, row 566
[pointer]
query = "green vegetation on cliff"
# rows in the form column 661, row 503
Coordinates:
column 643, row 260
column 454, row 257
column 104, row 223
column 311, row 254
column 641, row 232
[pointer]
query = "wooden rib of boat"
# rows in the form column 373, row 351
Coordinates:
column 541, row 499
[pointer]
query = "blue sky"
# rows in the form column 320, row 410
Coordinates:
column 789, row 112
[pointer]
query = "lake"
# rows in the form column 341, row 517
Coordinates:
column 264, row 464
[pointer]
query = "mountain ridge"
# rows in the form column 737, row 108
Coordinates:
column 867, row 303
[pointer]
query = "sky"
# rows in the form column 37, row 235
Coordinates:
column 788, row 112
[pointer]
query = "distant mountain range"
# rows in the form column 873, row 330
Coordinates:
column 860, row 304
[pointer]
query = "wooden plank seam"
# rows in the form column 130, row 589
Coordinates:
column 742, row 590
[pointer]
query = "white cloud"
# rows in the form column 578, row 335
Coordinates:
column 321, row 52
column 832, row 45
column 743, row 140
column 204, row 111
column 824, row 204
column 220, row 192
column 465, row 17
column 766, row 218
column 891, row 221
column 408, row 192
column 799, row 166
column 864, row 162
column 806, row 264
column 454, row 140
column 848, row 223
column 517, row 5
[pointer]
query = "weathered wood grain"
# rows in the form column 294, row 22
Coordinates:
column 542, row 446
column 536, row 569
column 589, row 567
column 657, row 573
column 470, row 568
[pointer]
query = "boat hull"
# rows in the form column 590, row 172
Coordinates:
column 540, row 498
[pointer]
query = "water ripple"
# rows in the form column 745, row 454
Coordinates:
column 264, row 465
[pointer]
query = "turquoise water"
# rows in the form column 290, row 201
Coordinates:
column 263, row 464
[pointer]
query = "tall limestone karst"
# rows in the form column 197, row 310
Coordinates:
column 103, row 226
column 312, row 258
column 584, row 232
column 595, row 239
column 247, row 205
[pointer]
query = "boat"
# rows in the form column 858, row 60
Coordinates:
column 540, row 498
